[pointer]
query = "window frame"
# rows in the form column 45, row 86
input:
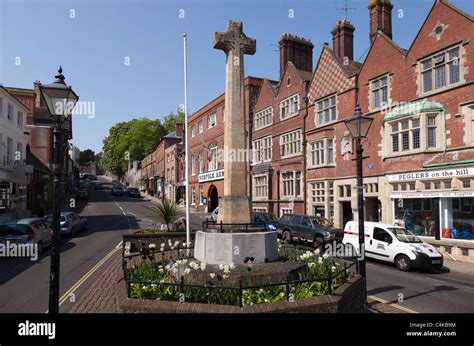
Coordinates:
column 263, row 118
column 297, row 143
column 324, row 148
column 287, row 104
column 440, row 61
column 320, row 109
column 378, row 91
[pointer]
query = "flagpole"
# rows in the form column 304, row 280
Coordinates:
column 186, row 158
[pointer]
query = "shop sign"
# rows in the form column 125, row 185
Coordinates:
column 209, row 176
column 455, row 194
column 429, row 175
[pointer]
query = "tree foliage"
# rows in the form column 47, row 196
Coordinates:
column 86, row 156
column 170, row 120
column 131, row 140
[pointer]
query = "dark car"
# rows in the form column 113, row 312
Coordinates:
column 267, row 220
column 306, row 228
column 132, row 192
column 97, row 185
column 82, row 194
column 117, row 190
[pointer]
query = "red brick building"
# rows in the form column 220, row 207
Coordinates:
column 278, row 129
column 206, row 147
column 422, row 100
column 419, row 168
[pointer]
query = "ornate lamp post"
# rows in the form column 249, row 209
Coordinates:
column 358, row 126
column 60, row 100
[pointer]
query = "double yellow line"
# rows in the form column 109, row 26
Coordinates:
column 397, row 306
column 68, row 293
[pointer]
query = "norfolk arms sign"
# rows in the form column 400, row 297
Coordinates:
column 213, row 175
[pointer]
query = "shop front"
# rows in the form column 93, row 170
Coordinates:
column 437, row 203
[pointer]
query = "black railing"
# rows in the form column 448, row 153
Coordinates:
column 239, row 227
column 238, row 289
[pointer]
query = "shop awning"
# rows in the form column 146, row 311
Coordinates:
column 421, row 106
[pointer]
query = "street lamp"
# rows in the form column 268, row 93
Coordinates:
column 60, row 100
column 358, row 126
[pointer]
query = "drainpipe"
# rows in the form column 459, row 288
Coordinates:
column 250, row 158
column 278, row 192
column 306, row 100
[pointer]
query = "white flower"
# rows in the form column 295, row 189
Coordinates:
column 212, row 275
column 317, row 251
column 333, row 268
column 161, row 271
column 226, row 269
column 326, row 255
column 320, row 260
column 225, row 276
column 172, row 247
column 311, row 264
column 232, row 266
column 221, row 267
column 151, row 246
column 176, row 243
column 187, row 271
column 203, row 266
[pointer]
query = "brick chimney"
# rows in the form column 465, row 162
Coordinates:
column 343, row 39
column 179, row 129
column 298, row 50
column 380, row 18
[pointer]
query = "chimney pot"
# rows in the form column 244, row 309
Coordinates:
column 343, row 39
column 296, row 49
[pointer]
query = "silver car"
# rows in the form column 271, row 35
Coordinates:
column 70, row 223
column 27, row 231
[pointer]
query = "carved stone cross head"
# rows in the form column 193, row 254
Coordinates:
column 234, row 39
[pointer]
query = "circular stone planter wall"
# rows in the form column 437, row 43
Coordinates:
column 227, row 248
column 348, row 298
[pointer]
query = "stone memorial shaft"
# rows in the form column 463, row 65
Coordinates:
column 235, row 206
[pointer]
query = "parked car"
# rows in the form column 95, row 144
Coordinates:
column 393, row 244
column 27, row 231
column 70, row 223
column 93, row 177
column 82, row 194
column 117, row 190
column 267, row 220
column 132, row 192
column 97, row 185
column 214, row 214
column 305, row 228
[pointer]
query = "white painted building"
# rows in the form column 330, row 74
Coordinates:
column 14, row 173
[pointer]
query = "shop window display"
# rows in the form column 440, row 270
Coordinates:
column 462, row 220
column 416, row 215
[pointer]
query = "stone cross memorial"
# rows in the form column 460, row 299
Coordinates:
column 235, row 206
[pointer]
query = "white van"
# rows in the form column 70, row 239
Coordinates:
column 393, row 244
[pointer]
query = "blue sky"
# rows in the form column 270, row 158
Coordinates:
column 93, row 46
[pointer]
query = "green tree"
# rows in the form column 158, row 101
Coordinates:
column 170, row 120
column 86, row 156
column 132, row 140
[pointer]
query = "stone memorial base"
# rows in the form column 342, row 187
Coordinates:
column 227, row 248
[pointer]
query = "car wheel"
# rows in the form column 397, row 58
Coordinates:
column 403, row 263
column 286, row 236
column 40, row 248
column 318, row 243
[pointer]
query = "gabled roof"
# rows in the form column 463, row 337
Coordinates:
column 13, row 97
column 382, row 36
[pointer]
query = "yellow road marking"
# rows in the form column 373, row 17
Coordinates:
column 86, row 276
column 397, row 306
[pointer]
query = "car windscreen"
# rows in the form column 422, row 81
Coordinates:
column 270, row 218
column 405, row 235
column 13, row 229
column 133, row 190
